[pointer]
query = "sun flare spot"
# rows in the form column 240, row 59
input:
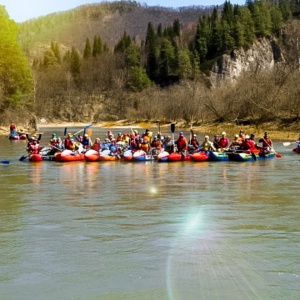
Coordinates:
column 153, row 190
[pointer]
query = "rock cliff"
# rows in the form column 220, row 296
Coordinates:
column 264, row 53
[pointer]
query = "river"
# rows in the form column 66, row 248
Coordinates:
column 123, row 230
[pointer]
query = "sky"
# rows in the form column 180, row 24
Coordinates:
column 22, row 10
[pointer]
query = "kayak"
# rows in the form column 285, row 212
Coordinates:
column 69, row 155
column 127, row 155
column 106, row 155
column 178, row 156
column 35, row 157
column 200, row 156
column 246, row 156
column 218, row 156
column 141, row 155
column 17, row 137
column 163, row 156
column 91, row 155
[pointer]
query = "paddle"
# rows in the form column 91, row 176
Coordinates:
column 23, row 157
column 86, row 127
column 277, row 154
column 173, row 130
column 65, row 131
column 5, row 162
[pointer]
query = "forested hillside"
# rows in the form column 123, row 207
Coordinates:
column 120, row 60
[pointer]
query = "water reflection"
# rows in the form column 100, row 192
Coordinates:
column 117, row 230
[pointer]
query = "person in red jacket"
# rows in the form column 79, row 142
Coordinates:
column 33, row 147
column 181, row 143
column 248, row 144
column 266, row 141
column 194, row 144
column 224, row 141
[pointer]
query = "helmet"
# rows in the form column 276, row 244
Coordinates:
column 223, row 133
column 119, row 133
column 236, row 135
column 53, row 134
column 70, row 134
column 206, row 137
column 97, row 139
column 59, row 138
column 34, row 135
column 247, row 137
column 135, row 131
column 72, row 140
column 86, row 135
column 195, row 135
column 155, row 137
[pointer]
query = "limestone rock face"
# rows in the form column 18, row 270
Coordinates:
column 263, row 53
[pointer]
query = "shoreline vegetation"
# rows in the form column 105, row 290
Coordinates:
column 276, row 131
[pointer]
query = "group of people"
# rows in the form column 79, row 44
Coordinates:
column 151, row 144
column 221, row 142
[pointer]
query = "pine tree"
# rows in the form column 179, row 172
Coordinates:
column 87, row 53
column 56, row 52
column 75, row 63
column 152, row 53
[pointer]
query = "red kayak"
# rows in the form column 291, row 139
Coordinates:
column 35, row 157
column 69, row 155
column 106, row 155
column 178, row 156
column 91, row 155
column 200, row 156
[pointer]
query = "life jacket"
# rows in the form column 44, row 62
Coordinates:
column 134, row 144
column 247, row 145
column 194, row 142
column 145, row 146
column 156, row 144
column 96, row 146
column 207, row 146
column 34, row 148
column 266, row 142
column 68, row 143
column 223, row 142
column 181, row 144
column 113, row 148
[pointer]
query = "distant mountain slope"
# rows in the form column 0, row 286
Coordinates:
column 108, row 20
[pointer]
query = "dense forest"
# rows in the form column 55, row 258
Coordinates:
column 50, row 69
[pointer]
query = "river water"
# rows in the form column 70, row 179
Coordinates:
column 123, row 230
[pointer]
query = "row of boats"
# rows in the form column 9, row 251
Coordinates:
column 141, row 156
